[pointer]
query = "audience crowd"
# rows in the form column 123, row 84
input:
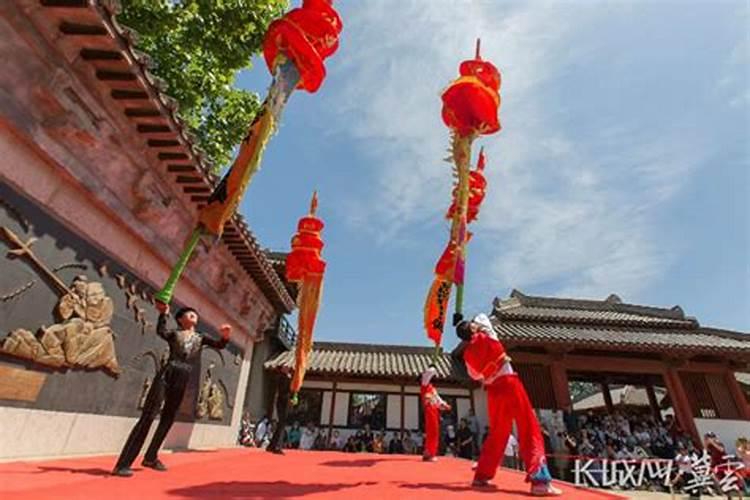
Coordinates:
column 615, row 436
column 461, row 441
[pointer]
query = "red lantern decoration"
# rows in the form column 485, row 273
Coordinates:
column 471, row 103
column 304, row 259
column 306, row 35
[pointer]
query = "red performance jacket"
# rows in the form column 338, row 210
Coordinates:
column 484, row 357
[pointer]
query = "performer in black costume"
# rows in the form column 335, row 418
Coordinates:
column 283, row 381
column 169, row 386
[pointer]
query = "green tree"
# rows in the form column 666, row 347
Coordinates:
column 198, row 47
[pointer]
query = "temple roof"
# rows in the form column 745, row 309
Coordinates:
column 373, row 361
column 87, row 31
column 609, row 323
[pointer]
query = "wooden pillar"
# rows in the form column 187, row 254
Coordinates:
column 330, row 416
column 682, row 410
column 607, row 396
column 403, row 409
column 653, row 402
column 739, row 397
column 560, row 383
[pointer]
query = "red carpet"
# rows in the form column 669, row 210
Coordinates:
column 246, row 473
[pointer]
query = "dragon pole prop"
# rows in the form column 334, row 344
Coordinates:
column 305, row 267
column 470, row 109
column 294, row 48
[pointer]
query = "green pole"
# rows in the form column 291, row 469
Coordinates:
column 165, row 294
column 462, row 158
column 459, row 299
column 436, row 354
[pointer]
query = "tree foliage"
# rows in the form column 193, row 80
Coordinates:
column 198, row 47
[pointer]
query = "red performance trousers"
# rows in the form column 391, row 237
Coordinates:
column 507, row 402
column 431, row 429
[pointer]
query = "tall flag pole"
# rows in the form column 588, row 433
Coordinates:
column 294, row 48
column 305, row 267
column 470, row 108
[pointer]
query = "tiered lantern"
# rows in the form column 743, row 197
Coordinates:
column 305, row 267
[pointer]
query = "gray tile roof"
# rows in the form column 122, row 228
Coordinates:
column 636, row 339
column 610, row 323
column 372, row 360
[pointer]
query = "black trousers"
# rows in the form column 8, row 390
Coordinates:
column 168, row 387
column 282, row 408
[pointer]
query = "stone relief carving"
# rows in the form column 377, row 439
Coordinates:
column 227, row 279
column 216, row 402
column 83, row 337
column 159, row 363
column 201, row 406
column 249, row 300
column 144, row 393
column 211, row 397
column 151, row 199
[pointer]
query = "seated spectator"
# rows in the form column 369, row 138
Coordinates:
column 586, row 448
column 395, row 446
column 336, row 441
column 359, row 441
column 685, row 475
column 410, row 447
column 743, row 456
column 714, row 448
column 418, row 439
column 465, row 438
column 307, row 440
column 450, row 440
column 350, row 447
column 378, row 443
column 260, row 431
column 245, row 437
column 321, row 441
column 367, row 439
column 511, row 452
column 294, row 435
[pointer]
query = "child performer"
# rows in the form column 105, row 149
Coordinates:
column 432, row 404
column 507, row 401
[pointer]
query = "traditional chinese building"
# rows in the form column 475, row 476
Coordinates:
column 555, row 341
column 678, row 366
column 349, row 385
column 100, row 186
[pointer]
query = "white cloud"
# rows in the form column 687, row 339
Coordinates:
column 562, row 208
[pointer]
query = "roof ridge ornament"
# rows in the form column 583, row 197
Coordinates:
column 613, row 299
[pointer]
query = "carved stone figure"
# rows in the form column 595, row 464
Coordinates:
column 83, row 339
column 201, row 407
column 216, row 403
column 144, row 393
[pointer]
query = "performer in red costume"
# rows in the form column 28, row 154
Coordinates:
column 432, row 404
column 507, row 401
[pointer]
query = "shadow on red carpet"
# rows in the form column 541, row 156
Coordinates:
column 249, row 489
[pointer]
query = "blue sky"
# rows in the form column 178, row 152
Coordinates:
column 623, row 165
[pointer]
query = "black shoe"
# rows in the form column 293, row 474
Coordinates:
column 154, row 464
column 122, row 472
column 276, row 451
